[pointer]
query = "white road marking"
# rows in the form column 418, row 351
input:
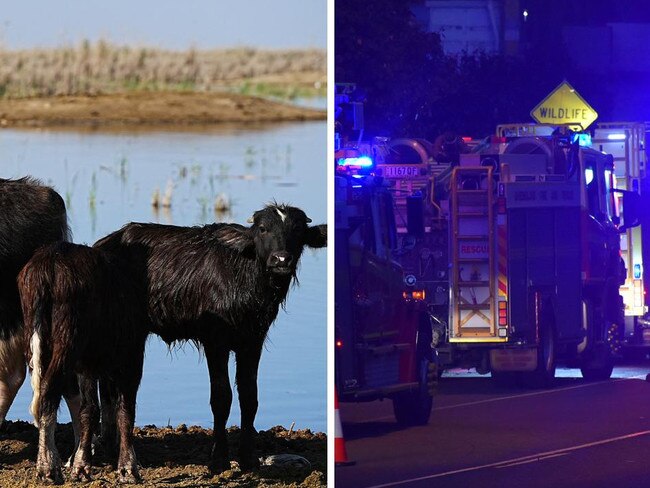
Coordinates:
column 515, row 461
column 531, row 460
column 534, row 393
column 521, row 395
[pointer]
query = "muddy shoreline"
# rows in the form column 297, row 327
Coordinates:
column 173, row 457
column 152, row 109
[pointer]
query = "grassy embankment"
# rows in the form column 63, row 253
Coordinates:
column 101, row 82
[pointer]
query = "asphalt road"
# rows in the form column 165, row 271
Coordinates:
column 577, row 434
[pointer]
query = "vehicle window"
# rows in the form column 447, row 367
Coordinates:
column 363, row 236
column 609, row 194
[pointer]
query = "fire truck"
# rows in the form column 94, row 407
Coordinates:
column 626, row 143
column 382, row 333
column 517, row 247
column 383, row 341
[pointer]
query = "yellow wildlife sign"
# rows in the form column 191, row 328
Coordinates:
column 564, row 106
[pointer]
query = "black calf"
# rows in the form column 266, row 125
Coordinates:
column 81, row 318
column 221, row 286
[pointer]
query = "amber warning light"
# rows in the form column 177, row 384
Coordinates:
column 415, row 295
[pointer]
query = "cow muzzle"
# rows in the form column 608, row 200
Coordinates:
column 280, row 262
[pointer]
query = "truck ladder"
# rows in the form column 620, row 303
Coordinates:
column 473, row 314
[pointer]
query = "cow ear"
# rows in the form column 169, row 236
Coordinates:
column 316, row 236
column 237, row 238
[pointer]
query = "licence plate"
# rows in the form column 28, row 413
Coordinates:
column 401, row 171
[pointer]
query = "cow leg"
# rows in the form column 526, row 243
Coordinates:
column 247, row 365
column 127, row 465
column 88, row 418
column 48, row 462
column 220, row 401
column 108, row 435
column 12, row 372
column 73, row 400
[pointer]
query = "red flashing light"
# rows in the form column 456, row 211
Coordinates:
column 339, row 344
column 503, row 313
column 466, row 139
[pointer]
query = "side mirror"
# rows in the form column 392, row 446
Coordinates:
column 631, row 209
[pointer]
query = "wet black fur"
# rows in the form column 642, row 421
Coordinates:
column 85, row 310
column 31, row 215
column 215, row 285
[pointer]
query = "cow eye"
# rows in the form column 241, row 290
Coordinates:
column 262, row 229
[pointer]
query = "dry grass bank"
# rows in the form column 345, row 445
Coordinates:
column 102, row 67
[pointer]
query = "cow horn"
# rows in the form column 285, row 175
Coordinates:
column 308, row 220
column 250, row 220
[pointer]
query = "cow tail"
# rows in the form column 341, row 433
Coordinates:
column 35, row 293
column 35, row 366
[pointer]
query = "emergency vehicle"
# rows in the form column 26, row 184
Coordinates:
column 518, row 250
column 383, row 342
column 382, row 333
column 626, row 143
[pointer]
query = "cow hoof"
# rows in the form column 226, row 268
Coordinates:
column 81, row 472
column 219, row 461
column 50, row 476
column 128, row 475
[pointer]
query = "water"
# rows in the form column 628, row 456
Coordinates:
column 108, row 179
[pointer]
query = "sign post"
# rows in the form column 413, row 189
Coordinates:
column 564, row 106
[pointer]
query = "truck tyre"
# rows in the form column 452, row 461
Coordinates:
column 599, row 366
column 414, row 407
column 544, row 374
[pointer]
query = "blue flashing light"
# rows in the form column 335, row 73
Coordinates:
column 637, row 271
column 617, row 136
column 360, row 162
column 582, row 138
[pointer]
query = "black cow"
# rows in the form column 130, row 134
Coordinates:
column 220, row 286
column 82, row 317
column 31, row 215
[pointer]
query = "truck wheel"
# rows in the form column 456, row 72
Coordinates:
column 544, row 374
column 599, row 366
column 414, row 407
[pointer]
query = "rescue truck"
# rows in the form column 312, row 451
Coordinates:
column 518, row 250
column 626, row 143
column 382, row 333
column 383, row 343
